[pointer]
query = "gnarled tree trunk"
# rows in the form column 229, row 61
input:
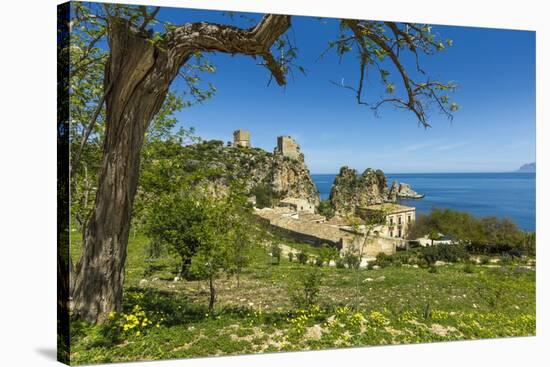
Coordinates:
column 139, row 75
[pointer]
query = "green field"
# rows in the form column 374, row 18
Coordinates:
column 165, row 319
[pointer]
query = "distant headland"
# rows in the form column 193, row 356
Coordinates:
column 528, row 167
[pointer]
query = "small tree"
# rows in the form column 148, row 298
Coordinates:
column 275, row 251
column 308, row 288
column 364, row 227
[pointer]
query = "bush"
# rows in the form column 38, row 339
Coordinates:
column 319, row 261
column 352, row 261
column 302, row 257
column 308, row 288
column 484, row 260
column 290, row 256
column 340, row 263
column 383, row 260
column 275, row 253
column 506, row 260
column 468, row 268
column 433, row 269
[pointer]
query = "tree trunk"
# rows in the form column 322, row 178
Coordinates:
column 137, row 78
column 136, row 96
column 212, row 295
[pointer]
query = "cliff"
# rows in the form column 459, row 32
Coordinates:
column 273, row 174
column 351, row 190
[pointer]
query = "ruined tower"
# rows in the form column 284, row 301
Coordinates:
column 288, row 147
column 241, row 138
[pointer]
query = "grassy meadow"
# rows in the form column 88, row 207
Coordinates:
column 166, row 317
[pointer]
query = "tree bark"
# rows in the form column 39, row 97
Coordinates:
column 139, row 74
column 212, row 300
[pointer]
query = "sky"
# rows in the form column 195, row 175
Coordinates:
column 493, row 131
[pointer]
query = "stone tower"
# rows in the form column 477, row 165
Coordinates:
column 288, row 147
column 241, row 138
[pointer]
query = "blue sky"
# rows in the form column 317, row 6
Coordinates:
column 493, row 131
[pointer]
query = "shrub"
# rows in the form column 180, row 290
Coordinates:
column 290, row 256
column 422, row 263
column 319, row 261
column 340, row 263
column 484, row 260
column 352, row 261
column 275, row 253
column 506, row 260
column 308, row 288
column 302, row 257
column 468, row 268
column 433, row 269
column 383, row 260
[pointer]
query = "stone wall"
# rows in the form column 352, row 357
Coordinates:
column 241, row 138
column 319, row 233
column 288, row 147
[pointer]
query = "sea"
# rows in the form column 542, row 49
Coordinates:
column 504, row 195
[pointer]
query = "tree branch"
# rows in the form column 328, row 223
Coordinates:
column 210, row 37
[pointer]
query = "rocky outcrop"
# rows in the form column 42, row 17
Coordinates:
column 393, row 192
column 252, row 167
column 406, row 192
column 351, row 190
column 291, row 178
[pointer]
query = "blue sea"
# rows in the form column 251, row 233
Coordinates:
column 505, row 195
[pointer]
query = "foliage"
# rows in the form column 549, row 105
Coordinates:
column 302, row 257
column 275, row 251
column 468, row 268
column 265, row 196
column 488, row 235
column 290, row 256
column 325, row 208
column 307, row 291
column 351, row 260
column 504, row 297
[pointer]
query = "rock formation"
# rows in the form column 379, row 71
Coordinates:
column 285, row 177
column 406, row 192
column 350, row 190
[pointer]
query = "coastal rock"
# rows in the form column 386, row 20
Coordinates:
column 350, row 190
column 394, row 192
column 405, row 191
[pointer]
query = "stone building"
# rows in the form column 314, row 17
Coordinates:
column 399, row 218
column 297, row 204
column 241, row 138
column 288, row 147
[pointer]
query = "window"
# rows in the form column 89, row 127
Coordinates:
column 399, row 233
column 408, row 219
column 399, row 221
column 391, row 233
column 391, row 221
